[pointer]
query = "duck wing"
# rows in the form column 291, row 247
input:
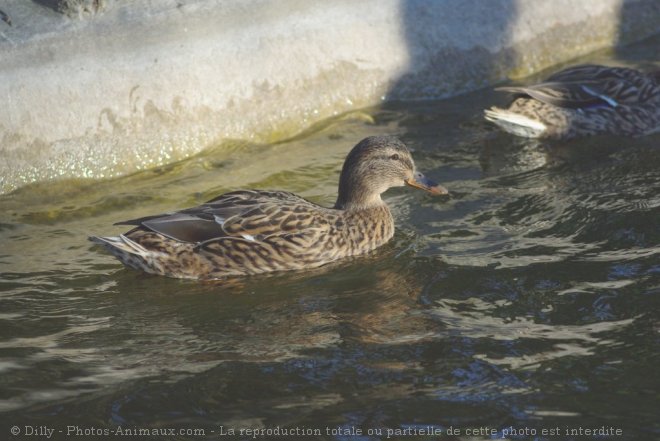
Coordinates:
column 278, row 213
column 568, row 95
column 590, row 86
column 179, row 226
column 243, row 214
column 595, row 72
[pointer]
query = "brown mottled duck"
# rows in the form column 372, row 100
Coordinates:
column 254, row 231
column 583, row 100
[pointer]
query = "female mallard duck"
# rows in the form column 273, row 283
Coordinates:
column 251, row 232
column 583, row 100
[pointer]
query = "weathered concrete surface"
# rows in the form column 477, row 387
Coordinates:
column 108, row 90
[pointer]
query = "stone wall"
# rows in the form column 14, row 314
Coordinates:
column 101, row 88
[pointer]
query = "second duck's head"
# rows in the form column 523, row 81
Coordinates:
column 375, row 164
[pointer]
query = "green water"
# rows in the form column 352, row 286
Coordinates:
column 528, row 300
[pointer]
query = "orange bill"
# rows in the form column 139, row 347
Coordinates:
column 420, row 181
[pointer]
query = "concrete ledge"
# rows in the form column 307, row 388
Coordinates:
column 131, row 85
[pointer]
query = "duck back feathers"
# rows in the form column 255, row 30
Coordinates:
column 583, row 100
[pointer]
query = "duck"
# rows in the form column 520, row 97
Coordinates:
column 247, row 232
column 581, row 101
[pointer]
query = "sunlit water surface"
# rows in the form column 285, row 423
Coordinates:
column 528, row 300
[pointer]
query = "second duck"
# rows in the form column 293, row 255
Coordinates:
column 583, row 100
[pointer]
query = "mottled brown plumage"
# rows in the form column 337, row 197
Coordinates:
column 252, row 232
column 583, row 100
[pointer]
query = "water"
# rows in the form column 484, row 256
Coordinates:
column 528, row 300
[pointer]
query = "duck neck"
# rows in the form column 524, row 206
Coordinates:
column 354, row 198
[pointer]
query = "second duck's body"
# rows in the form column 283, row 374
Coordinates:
column 583, row 100
column 252, row 232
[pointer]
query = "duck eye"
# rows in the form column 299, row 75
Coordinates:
column 395, row 157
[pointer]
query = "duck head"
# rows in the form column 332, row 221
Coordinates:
column 375, row 164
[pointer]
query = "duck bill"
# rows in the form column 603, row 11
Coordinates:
column 420, row 181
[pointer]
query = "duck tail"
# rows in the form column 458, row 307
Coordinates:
column 515, row 123
column 129, row 252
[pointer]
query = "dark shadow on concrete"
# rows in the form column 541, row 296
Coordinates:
column 73, row 7
column 464, row 59
column 455, row 47
column 52, row 4
column 639, row 19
